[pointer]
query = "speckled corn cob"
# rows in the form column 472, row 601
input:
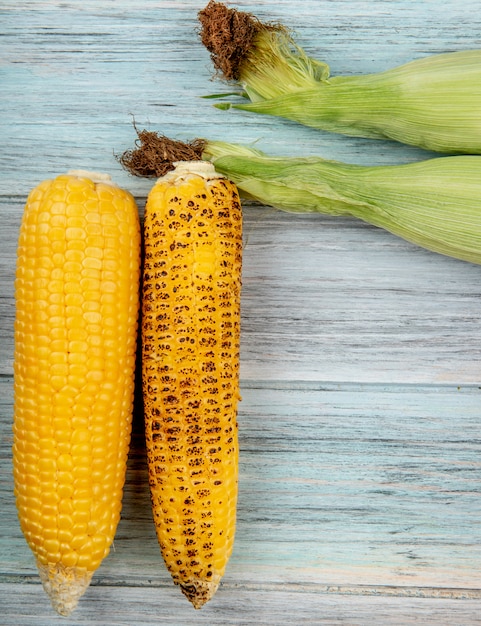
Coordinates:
column 75, row 342
column 190, row 362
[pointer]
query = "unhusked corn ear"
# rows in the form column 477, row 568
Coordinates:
column 77, row 303
column 432, row 102
column 433, row 203
column 190, row 369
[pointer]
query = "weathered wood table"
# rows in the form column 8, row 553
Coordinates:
column 360, row 468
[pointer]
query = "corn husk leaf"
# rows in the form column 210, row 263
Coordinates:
column 435, row 203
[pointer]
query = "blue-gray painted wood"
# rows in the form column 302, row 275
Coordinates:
column 360, row 468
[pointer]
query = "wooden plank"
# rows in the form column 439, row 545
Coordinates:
column 236, row 606
column 330, row 300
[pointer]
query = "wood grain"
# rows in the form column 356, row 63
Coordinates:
column 360, row 465
column 265, row 607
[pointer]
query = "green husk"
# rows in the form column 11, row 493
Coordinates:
column 433, row 103
column 434, row 203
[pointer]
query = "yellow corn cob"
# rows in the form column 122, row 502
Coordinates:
column 190, row 367
column 75, row 342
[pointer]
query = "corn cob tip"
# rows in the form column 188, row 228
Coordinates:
column 184, row 169
column 95, row 177
column 199, row 591
column 64, row 585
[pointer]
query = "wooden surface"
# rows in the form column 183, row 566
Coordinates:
column 360, row 468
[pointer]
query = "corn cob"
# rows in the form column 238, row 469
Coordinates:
column 433, row 102
column 77, row 299
column 190, row 369
column 433, row 203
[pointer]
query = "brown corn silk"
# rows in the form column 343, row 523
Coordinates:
column 228, row 35
column 155, row 154
column 190, row 370
column 77, row 278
